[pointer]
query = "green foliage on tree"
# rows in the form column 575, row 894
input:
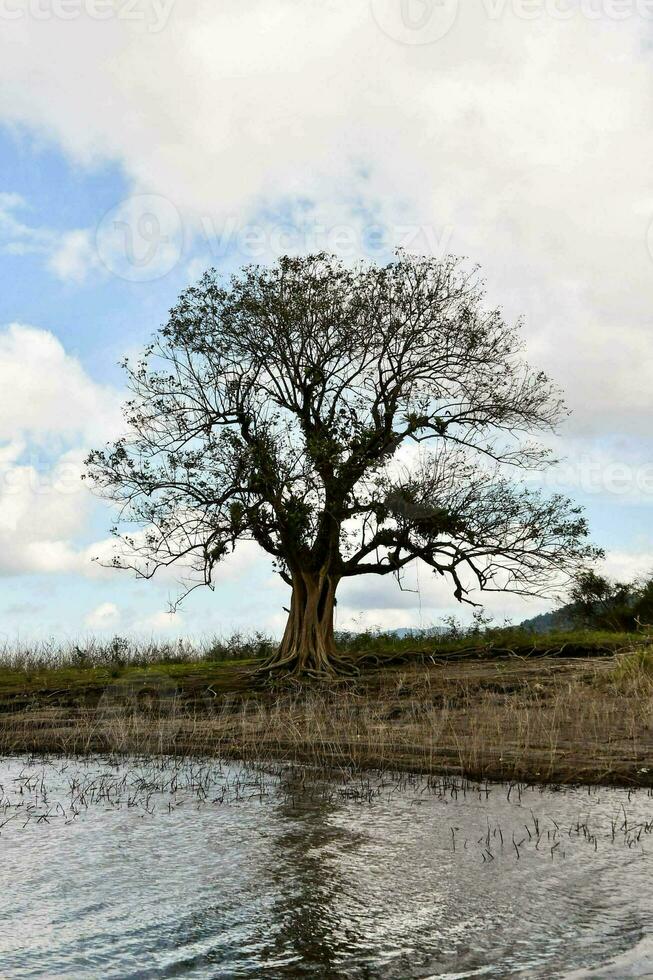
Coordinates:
column 598, row 602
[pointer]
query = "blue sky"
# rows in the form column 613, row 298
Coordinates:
column 522, row 143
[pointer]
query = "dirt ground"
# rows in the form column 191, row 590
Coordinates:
column 544, row 719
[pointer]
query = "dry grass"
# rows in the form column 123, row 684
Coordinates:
column 546, row 719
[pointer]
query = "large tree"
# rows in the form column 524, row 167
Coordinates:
column 349, row 421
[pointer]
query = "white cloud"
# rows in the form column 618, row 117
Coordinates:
column 45, row 392
column 627, row 566
column 619, row 470
column 159, row 622
column 103, row 617
column 51, row 412
column 73, row 256
column 42, row 512
column 108, row 616
column 11, row 452
column 17, row 237
column 371, row 601
column 424, row 599
column 520, row 138
column 69, row 255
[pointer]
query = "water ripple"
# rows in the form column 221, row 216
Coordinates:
column 272, row 884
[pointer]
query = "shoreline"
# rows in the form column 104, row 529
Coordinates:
column 538, row 720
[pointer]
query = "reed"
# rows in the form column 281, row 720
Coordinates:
column 535, row 719
column 372, row 647
column 57, row 790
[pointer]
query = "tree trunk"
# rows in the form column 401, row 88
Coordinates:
column 308, row 644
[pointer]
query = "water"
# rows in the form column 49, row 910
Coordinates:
column 196, row 870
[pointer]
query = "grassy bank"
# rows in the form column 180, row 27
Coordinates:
column 504, row 705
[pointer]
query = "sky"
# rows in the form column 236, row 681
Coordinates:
column 142, row 141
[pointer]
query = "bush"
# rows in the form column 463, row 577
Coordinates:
column 598, row 602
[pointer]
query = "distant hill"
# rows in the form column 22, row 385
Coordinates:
column 559, row 619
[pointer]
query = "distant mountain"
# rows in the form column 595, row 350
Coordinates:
column 559, row 619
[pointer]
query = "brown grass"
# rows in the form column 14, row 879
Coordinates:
column 541, row 720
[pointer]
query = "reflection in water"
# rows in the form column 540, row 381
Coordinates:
column 150, row 870
column 307, row 916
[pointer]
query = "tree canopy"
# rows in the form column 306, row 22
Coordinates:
column 598, row 602
column 349, row 421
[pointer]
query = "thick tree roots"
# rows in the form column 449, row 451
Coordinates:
column 308, row 646
column 301, row 663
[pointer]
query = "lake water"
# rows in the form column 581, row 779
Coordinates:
column 169, row 869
